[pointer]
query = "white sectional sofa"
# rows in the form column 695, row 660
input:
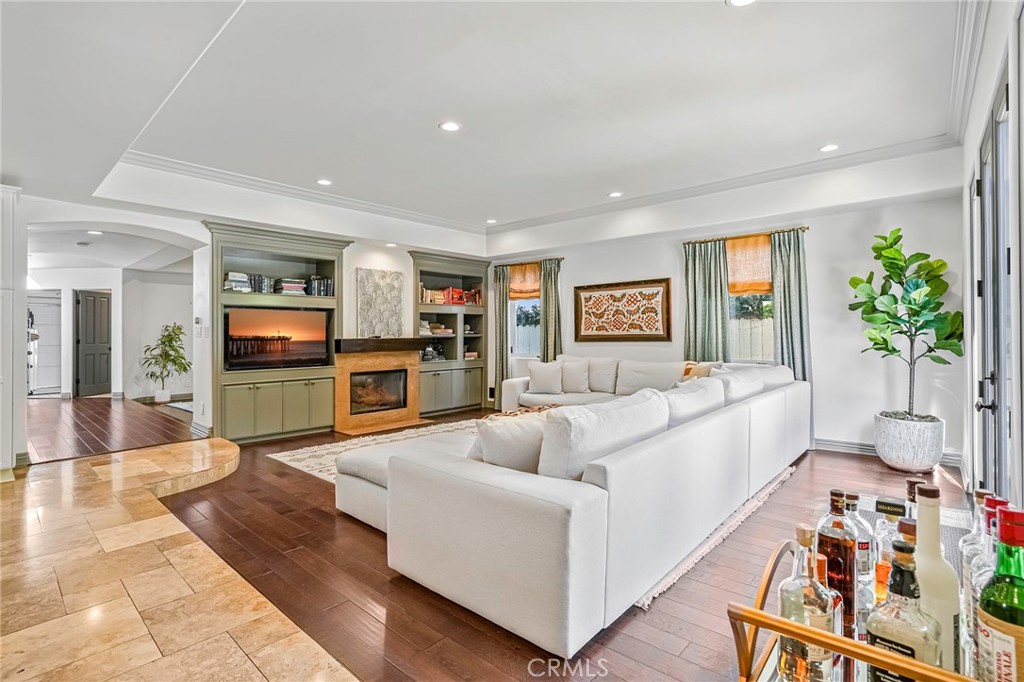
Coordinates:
column 559, row 555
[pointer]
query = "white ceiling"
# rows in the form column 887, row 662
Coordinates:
column 561, row 102
column 56, row 245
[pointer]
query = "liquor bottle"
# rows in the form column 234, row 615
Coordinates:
column 912, row 484
column 983, row 567
column 939, row 583
column 971, row 545
column 837, row 540
column 1000, row 614
column 804, row 600
column 908, row 530
column 837, row 601
column 899, row 625
column 865, row 539
column 885, row 532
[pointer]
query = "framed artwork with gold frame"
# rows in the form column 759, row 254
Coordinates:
column 624, row 311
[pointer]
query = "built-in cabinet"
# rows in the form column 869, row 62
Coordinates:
column 272, row 407
column 457, row 382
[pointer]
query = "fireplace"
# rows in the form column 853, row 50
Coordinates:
column 377, row 391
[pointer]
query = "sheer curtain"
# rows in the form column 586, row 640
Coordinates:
column 789, row 286
column 550, row 310
column 706, row 336
column 501, row 342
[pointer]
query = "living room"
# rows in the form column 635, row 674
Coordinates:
column 383, row 228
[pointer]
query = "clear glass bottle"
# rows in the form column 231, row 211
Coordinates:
column 899, row 625
column 938, row 581
column 865, row 540
column 971, row 545
column 1000, row 615
column 837, row 540
column 885, row 532
column 804, row 600
column 983, row 567
column 912, row 484
column 837, row 601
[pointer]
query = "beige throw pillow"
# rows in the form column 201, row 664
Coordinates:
column 513, row 443
column 576, row 376
column 545, row 377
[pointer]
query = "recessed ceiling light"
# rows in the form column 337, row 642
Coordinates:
column 492, row 221
column 828, row 148
column 615, row 195
column 390, row 245
column 82, row 244
column 450, row 126
column 739, row 3
column 324, row 181
column 96, row 232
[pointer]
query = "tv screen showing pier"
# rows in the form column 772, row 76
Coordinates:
column 262, row 338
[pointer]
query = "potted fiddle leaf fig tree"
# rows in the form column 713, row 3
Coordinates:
column 906, row 321
column 165, row 359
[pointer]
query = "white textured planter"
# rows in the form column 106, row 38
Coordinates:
column 911, row 446
column 162, row 396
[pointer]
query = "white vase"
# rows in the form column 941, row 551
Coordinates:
column 162, row 396
column 910, row 446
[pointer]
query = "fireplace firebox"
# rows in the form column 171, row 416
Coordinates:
column 377, row 391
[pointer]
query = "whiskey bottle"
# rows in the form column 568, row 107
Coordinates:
column 865, row 539
column 1000, row 614
column 837, row 540
column 804, row 600
column 940, row 586
column 899, row 625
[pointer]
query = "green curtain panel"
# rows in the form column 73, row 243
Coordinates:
column 501, row 343
column 706, row 333
column 550, row 310
column 789, row 286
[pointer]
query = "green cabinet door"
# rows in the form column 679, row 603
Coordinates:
column 321, row 403
column 237, row 408
column 295, row 405
column 466, row 386
column 444, row 398
column 428, row 391
column 268, row 410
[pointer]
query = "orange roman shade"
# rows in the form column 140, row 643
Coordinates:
column 523, row 281
column 750, row 264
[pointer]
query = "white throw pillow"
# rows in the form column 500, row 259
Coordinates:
column 545, row 377
column 512, row 442
column 476, row 450
column 774, row 376
column 576, row 436
column 739, row 384
column 694, row 398
column 634, row 375
column 601, row 372
column 575, row 376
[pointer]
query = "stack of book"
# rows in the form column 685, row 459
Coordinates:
column 261, row 284
column 237, row 281
column 438, row 329
column 320, row 286
column 290, row 287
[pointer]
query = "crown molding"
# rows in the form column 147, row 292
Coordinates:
column 162, row 163
column 922, row 146
column 971, row 19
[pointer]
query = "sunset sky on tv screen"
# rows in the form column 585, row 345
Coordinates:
column 301, row 325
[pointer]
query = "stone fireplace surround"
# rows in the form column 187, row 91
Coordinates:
column 358, row 356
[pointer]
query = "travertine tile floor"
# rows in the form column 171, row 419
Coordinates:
column 99, row 581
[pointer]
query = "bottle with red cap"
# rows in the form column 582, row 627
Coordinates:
column 980, row 570
column 1000, row 614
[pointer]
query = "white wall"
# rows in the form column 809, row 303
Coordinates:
column 849, row 387
column 202, row 343
column 359, row 255
column 93, row 279
column 151, row 300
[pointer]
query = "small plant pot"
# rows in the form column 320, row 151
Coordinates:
column 909, row 445
column 162, row 396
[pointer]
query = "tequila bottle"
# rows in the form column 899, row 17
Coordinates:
column 1000, row 614
column 804, row 600
column 865, row 540
column 940, row 586
column 837, row 540
column 899, row 625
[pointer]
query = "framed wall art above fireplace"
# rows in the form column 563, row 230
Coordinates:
column 624, row 311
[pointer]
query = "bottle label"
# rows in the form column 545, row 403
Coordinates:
column 1000, row 647
column 821, row 621
column 880, row 675
column 864, row 566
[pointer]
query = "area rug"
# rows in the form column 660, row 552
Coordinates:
column 319, row 459
column 185, row 405
column 715, row 539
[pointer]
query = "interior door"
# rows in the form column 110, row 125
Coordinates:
column 92, row 343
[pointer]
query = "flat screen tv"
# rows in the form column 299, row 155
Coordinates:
column 272, row 338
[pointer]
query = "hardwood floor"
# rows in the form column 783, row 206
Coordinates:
column 328, row 572
column 64, row 429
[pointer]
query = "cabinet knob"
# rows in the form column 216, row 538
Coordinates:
column 249, row 387
column 257, row 388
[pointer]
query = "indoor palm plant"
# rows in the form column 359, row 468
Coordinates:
column 906, row 321
column 166, row 358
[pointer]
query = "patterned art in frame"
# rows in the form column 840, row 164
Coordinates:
column 624, row 311
column 379, row 303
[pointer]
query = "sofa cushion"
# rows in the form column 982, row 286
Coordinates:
column 575, row 436
column 694, row 398
column 634, row 375
column 739, row 384
column 476, row 450
column 542, row 399
column 545, row 377
column 575, row 376
column 371, row 462
column 601, row 372
column 513, row 443
column 774, row 376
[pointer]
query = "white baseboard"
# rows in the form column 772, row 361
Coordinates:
column 949, row 458
column 200, row 431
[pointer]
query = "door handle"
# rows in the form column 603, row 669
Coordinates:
column 981, row 405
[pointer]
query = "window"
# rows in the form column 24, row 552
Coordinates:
column 751, row 323
column 525, row 324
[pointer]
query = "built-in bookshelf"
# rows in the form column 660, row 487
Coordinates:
column 462, row 372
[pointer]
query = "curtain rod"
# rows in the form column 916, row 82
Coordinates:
column 527, row 262
column 802, row 228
